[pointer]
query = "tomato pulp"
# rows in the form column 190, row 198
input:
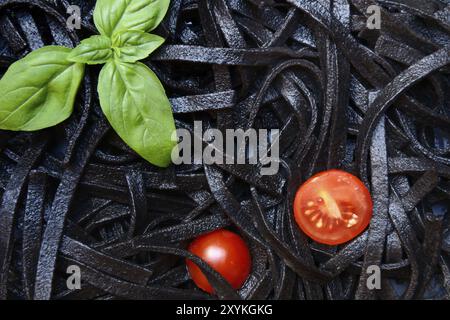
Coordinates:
column 333, row 207
column 226, row 252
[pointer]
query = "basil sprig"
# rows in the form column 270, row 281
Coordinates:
column 39, row 90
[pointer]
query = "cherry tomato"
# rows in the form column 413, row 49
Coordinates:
column 333, row 207
column 226, row 253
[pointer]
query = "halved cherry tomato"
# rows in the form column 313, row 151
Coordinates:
column 226, row 253
column 333, row 207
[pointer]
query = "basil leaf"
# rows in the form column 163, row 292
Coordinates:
column 134, row 102
column 94, row 50
column 132, row 46
column 111, row 17
column 39, row 90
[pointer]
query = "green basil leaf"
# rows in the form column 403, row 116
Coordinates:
column 132, row 46
column 94, row 50
column 39, row 90
column 134, row 101
column 111, row 17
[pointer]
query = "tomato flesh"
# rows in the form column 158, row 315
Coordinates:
column 226, row 252
column 333, row 207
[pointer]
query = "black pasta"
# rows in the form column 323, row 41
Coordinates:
column 371, row 102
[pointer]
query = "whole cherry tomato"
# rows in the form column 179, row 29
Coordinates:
column 333, row 207
column 226, row 253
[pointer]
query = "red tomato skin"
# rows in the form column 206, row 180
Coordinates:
column 352, row 191
column 226, row 252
